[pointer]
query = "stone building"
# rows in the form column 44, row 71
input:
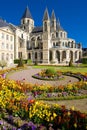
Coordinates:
column 46, row 44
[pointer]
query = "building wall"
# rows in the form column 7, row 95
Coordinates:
column 6, row 45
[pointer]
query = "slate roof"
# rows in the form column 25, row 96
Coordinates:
column 3, row 23
column 37, row 29
column 59, row 28
column 53, row 15
column 27, row 14
column 46, row 15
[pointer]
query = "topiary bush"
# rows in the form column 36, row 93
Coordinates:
column 50, row 71
column 84, row 60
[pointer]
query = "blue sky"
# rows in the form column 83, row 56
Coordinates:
column 72, row 14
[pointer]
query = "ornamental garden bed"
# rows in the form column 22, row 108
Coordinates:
column 20, row 110
column 49, row 75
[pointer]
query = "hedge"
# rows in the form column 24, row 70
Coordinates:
column 16, row 61
column 84, row 60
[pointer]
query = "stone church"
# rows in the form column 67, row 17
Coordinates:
column 47, row 44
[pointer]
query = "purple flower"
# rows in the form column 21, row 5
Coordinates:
column 4, row 128
column 13, row 128
column 1, row 122
column 10, row 118
column 30, row 124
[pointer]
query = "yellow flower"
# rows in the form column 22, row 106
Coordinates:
column 75, row 125
column 73, row 108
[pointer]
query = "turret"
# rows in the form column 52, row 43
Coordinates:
column 46, row 21
column 27, row 21
column 53, row 21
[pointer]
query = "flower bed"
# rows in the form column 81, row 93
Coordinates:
column 49, row 75
column 18, row 106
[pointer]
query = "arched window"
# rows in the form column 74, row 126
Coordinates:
column 45, row 26
column 56, row 34
column 52, row 23
column 28, row 21
column 35, row 55
column 29, row 56
column 61, row 34
column 53, row 36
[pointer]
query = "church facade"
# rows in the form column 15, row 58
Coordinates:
column 48, row 44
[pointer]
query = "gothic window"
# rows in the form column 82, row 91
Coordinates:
column 64, row 35
column 21, row 44
column 21, row 35
column 63, row 44
column 35, row 55
column 45, row 26
column 28, row 21
column 56, row 34
column 61, row 34
column 66, row 44
column 63, row 55
column 53, row 36
column 23, row 21
column 54, row 44
column 52, row 23
column 57, row 44
column 29, row 56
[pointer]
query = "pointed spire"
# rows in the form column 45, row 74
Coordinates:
column 58, row 22
column 53, row 17
column 46, row 15
column 27, row 13
column 59, row 26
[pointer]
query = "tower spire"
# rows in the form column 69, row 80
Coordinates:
column 53, row 17
column 46, row 15
column 27, row 13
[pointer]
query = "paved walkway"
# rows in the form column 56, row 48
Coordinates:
column 27, row 75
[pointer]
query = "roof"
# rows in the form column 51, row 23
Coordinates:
column 53, row 15
column 59, row 28
column 46, row 15
column 37, row 29
column 27, row 14
column 3, row 23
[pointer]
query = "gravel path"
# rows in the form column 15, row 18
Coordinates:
column 80, row 104
column 27, row 75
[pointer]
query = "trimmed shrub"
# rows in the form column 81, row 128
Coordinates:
column 51, row 71
column 16, row 61
column 29, row 62
column 84, row 60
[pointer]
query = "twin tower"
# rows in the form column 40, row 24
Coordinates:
column 27, row 22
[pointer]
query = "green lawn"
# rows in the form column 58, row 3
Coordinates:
column 82, row 69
